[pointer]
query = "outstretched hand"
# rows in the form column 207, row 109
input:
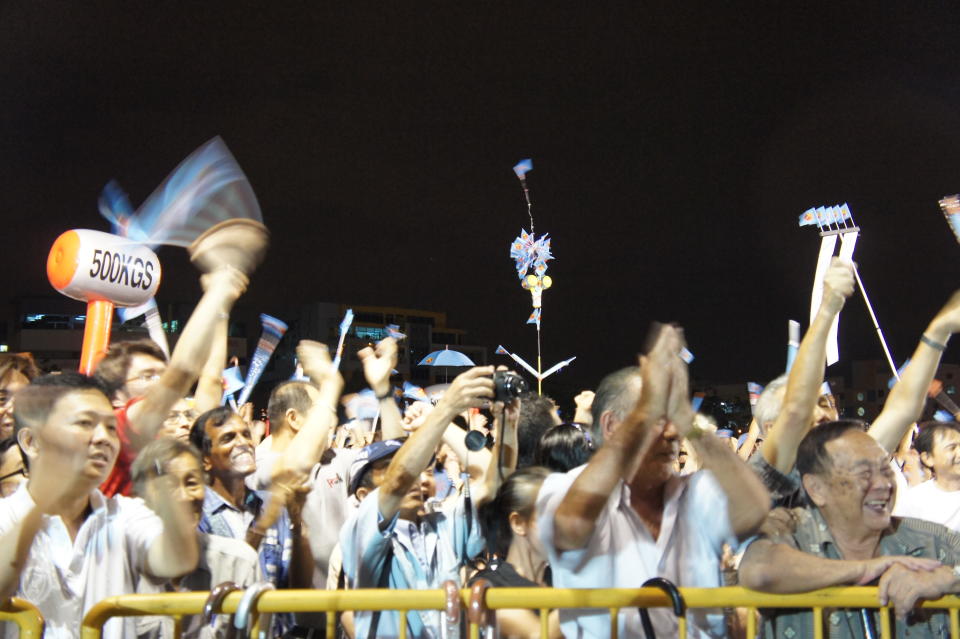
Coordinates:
column 315, row 359
column 665, row 392
column 229, row 281
column 378, row 364
column 838, row 283
column 470, row 389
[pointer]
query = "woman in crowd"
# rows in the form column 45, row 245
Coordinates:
column 563, row 447
column 515, row 556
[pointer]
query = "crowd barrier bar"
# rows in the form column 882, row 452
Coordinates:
column 25, row 615
column 544, row 599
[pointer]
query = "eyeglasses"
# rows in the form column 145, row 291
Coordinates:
column 19, row 471
column 150, row 375
column 176, row 416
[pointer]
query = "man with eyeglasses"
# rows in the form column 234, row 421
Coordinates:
column 847, row 535
column 144, row 387
column 179, row 420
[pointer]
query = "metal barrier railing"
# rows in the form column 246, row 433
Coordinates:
column 25, row 615
column 492, row 599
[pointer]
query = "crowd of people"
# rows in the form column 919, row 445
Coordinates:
column 139, row 480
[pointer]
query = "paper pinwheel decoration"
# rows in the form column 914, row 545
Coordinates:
column 531, row 254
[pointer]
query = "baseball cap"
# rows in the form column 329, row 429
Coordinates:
column 368, row 455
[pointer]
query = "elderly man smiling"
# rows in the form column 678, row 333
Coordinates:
column 848, row 536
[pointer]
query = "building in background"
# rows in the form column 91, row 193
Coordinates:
column 52, row 329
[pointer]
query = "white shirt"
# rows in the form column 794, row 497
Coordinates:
column 327, row 509
column 622, row 553
column 327, row 506
column 929, row 501
column 64, row 578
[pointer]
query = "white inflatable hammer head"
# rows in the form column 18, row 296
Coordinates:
column 92, row 265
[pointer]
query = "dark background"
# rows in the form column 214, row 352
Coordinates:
column 673, row 148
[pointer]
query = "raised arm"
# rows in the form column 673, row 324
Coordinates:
column 210, row 385
column 493, row 474
column 583, row 402
column 175, row 551
column 907, row 398
column 378, row 364
column 620, row 456
column 748, row 444
column 222, row 287
column 468, row 390
column 779, row 449
column 748, row 502
column 308, row 445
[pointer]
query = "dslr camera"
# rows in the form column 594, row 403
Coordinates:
column 508, row 386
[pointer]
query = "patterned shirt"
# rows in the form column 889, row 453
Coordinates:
column 906, row 536
column 785, row 490
column 220, row 517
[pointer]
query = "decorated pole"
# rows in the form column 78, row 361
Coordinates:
column 532, row 254
column 833, row 222
column 103, row 270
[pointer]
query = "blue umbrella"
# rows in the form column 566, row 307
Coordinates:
column 446, row 357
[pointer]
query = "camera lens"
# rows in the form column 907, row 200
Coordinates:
column 508, row 386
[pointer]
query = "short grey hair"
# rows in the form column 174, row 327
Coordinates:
column 770, row 402
column 155, row 456
column 613, row 394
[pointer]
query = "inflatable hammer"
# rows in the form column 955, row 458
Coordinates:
column 102, row 270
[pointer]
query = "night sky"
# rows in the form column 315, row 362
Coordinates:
column 674, row 146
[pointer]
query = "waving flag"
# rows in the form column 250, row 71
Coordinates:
column 697, row 400
column 753, row 392
column 523, row 167
column 412, row 391
column 273, row 330
column 344, row 329
column 501, row 351
column 534, row 317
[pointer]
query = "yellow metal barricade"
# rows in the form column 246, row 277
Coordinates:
column 25, row 615
column 329, row 601
column 614, row 600
column 543, row 599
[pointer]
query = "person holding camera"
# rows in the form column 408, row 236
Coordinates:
column 392, row 541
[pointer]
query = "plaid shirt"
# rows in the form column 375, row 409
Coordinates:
column 222, row 518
